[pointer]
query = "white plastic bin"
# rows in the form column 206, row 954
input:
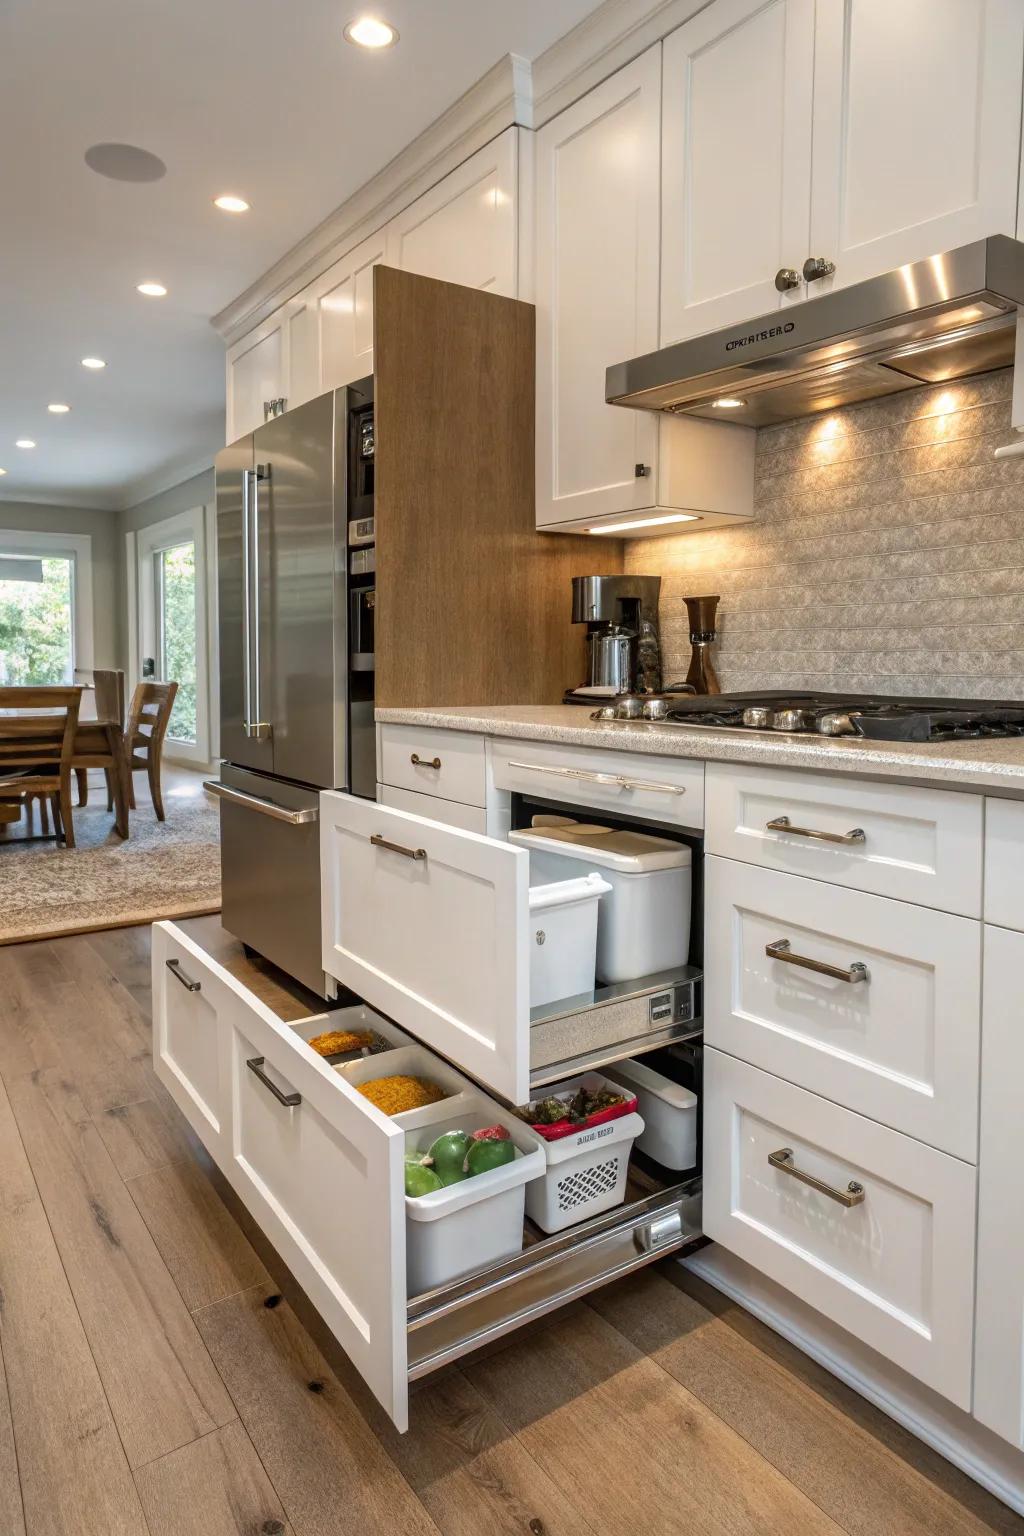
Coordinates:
column 644, row 923
column 563, row 931
column 586, row 1171
column 669, row 1111
column 475, row 1223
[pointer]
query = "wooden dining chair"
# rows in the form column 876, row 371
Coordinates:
column 37, row 743
column 144, row 736
column 108, row 697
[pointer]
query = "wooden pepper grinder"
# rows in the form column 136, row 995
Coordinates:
column 701, row 614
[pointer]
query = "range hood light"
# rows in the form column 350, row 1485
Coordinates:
column 647, row 522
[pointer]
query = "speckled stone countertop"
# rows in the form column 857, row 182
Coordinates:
column 988, row 766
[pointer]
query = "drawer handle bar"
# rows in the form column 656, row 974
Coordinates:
column 616, row 780
column 257, row 803
column 783, row 824
column 289, row 1100
column 174, row 966
column 424, row 762
column 853, row 1194
column 781, row 950
column 407, row 853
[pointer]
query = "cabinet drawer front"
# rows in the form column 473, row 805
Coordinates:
column 430, row 924
column 669, row 789
column 323, row 1176
column 896, row 1269
column 451, row 813
column 899, row 1042
column 448, row 764
column 1004, row 863
column 920, row 845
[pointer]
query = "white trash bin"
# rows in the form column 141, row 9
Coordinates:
column 669, row 1111
column 643, row 925
column 563, row 936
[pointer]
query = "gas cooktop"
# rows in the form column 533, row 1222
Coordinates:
column 872, row 717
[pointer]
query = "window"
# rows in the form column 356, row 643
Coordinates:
column 45, row 608
column 175, row 574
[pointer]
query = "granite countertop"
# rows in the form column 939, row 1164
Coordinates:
column 989, row 766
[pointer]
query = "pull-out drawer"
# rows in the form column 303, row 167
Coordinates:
column 667, row 789
column 449, row 764
column 875, row 1004
column 322, row 1170
column 1004, row 863
column 431, row 925
column 453, row 813
column 919, row 845
column 872, row 1229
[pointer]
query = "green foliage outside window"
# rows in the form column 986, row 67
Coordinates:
column 35, row 627
column 178, row 577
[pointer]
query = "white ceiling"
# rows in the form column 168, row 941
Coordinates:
column 257, row 97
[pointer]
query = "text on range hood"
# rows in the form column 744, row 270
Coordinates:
column 929, row 322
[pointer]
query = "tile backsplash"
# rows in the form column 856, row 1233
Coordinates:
column 887, row 554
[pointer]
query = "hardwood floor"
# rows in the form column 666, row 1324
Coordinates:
column 154, row 1381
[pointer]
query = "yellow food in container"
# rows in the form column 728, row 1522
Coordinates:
column 394, row 1095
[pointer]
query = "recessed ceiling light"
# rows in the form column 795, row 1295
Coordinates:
column 93, row 362
column 727, row 403
column 231, row 204
column 152, row 290
column 3, row 471
column 57, row 409
column 369, row 32
column 24, row 442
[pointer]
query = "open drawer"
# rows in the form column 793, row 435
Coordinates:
column 321, row 1169
column 431, row 924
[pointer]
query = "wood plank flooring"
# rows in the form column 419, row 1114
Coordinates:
column 153, row 1382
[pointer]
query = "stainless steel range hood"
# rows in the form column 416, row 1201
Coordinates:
column 929, row 322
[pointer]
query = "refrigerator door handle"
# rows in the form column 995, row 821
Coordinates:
column 256, row 728
column 247, row 713
column 263, row 807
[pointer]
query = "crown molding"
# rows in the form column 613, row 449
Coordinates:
column 606, row 40
column 81, row 503
column 500, row 100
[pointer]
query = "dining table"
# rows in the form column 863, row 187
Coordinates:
column 98, row 744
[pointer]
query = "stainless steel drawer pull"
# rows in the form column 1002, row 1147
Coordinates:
column 289, row 1100
column 615, row 780
column 781, row 950
column 174, row 966
column 853, row 1194
column 783, row 824
column 424, row 762
column 407, row 853
column 257, row 803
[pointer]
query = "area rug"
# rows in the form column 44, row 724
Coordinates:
column 165, row 869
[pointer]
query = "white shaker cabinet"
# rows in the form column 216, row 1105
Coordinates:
column 256, row 369
column 345, row 305
column 736, row 163
column 916, row 134
column 464, row 229
column 999, row 1329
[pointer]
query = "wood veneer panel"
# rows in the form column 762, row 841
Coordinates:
column 473, row 604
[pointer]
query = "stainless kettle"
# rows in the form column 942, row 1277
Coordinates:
column 611, row 658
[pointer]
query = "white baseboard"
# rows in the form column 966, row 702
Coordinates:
column 978, row 1452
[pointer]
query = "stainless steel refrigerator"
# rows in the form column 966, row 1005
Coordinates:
column 296, row 699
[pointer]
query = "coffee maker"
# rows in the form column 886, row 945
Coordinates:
column 623, row 645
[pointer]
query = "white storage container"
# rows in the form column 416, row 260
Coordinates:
column 669, row 1111
column 586, row 1171
column 475, row 1223
column 564, row 926
column 644, row 924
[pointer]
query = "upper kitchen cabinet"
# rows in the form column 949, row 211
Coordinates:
column 596, row 278
column 464, row 229
column 736, row 163
column 916, row 137
column 257, row 368
column 345, row 303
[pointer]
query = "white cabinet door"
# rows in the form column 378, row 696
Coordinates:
column 894, row 1265
column 257, row 367
column 596, row 291
column 898, row 1040
column 916, row 129
column 430, row 924
column 190, row 1041
column 736, row 161
column 302, row 322
column 999, row 1348
column 464, row 229
column 345, row 302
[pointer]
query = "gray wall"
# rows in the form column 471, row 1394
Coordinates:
column 195, row 492
column 887, row 554
column 107, row 559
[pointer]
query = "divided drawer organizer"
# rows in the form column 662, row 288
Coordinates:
column 322, row 1172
